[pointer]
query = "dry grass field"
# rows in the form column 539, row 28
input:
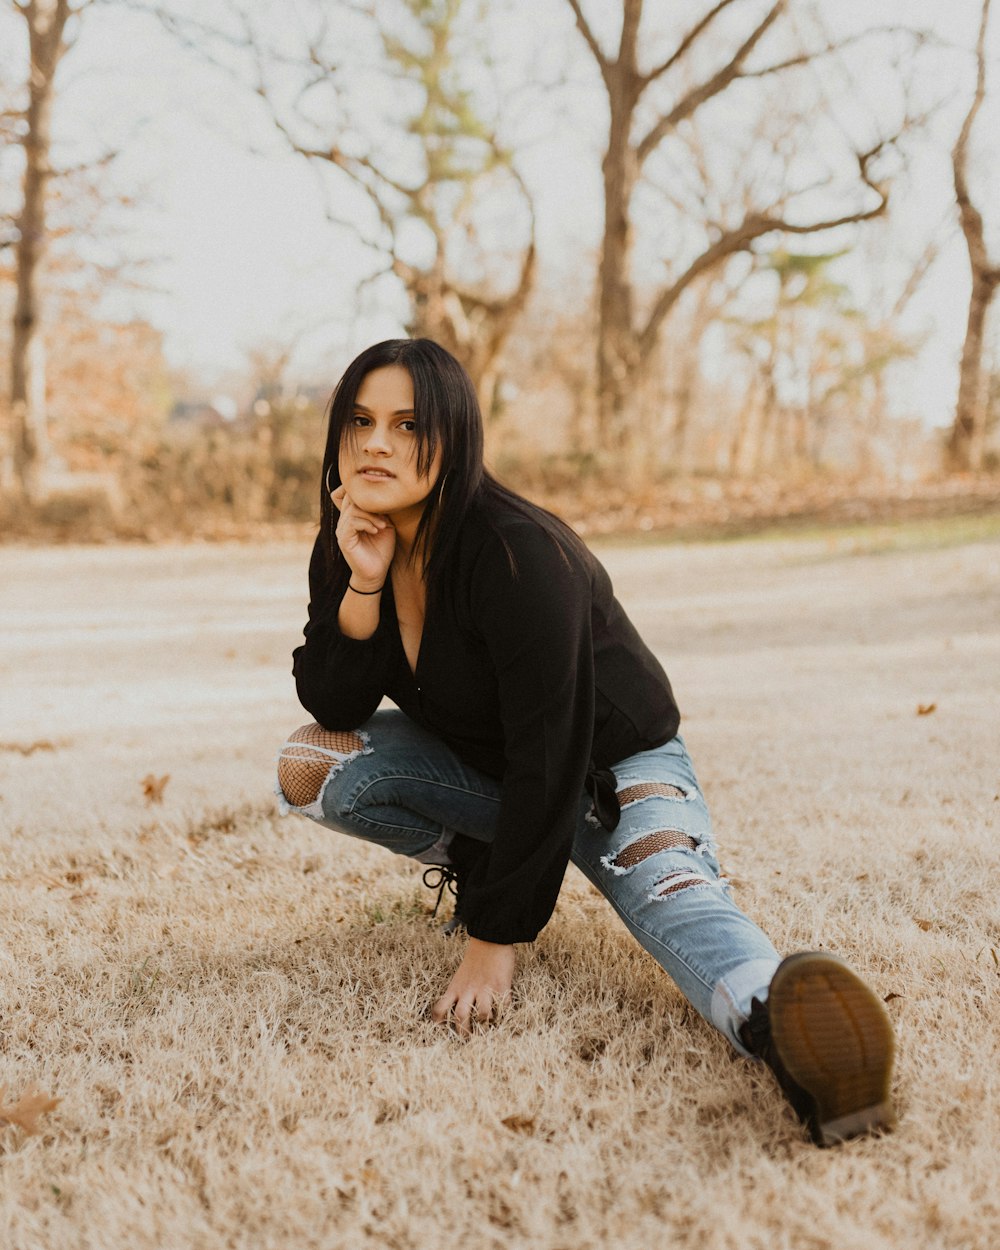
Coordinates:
column 229, row 1005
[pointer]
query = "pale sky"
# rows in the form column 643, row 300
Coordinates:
column 248, row 258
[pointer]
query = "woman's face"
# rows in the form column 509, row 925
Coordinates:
column 378, row 453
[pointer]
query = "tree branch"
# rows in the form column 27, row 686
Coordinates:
column 373, row 277
column 837, row 45
column 99, row 162
column 697, row 96
column 690, row 38
column 631, row 17
column 354, row 166
column 970, row 216
column 916, row 277
column 755, row 226
column 583, row 26
column 520, row 294
column 361, row 170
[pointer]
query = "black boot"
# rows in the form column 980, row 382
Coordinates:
column 828, row 1040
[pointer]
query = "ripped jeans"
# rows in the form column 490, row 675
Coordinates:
column 394, row 783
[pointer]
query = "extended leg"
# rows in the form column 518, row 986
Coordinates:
column 822, row 1031
column 658, row 869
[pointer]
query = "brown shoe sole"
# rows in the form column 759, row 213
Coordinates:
column 835, row 1038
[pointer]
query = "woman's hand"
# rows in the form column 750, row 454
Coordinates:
column 480, row 987
column 366, row 539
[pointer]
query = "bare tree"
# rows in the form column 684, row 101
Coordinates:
column 966, row 439
column 626, row 338
column 52, row 27
column 817, row 365
column 431, row 174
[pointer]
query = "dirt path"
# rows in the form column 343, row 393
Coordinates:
column 844, row 712
column 133, row 661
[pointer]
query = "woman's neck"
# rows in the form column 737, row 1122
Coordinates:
column 406, row 527
column 406, row 537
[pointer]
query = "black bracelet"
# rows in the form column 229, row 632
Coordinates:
column 366, row 592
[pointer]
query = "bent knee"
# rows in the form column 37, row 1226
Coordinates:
column 310, row 755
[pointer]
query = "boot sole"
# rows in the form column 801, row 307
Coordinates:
column 835, row 1038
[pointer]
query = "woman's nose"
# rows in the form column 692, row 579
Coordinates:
column 377, row 443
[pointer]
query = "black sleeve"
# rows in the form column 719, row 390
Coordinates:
column 536, row 622
column 339, row 680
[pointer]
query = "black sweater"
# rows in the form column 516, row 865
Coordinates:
column 535, row 677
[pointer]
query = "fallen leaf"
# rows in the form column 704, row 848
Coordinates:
column 153, row 787
column 519, row 1123
column 925, row 709
column 924, row 924
column 889, row 997
column 26, row 1111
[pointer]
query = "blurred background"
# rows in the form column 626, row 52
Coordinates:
column 708, row 262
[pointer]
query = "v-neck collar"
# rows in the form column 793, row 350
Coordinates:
column 403, row 658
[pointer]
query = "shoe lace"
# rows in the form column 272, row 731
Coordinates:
column 755, row 1032
column 440, row 877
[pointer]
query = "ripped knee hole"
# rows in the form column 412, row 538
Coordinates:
column 649, row 790
column 674, row 882
column 305, row 760
column 651, row 844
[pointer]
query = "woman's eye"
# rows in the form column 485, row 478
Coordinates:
column 409, row 425
column 359, row 420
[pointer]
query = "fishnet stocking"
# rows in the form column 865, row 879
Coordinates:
column 649, row 790
column 642, row 848
column 307, row 757
column 676, row 881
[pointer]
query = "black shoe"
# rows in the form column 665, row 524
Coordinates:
column 828, row 1040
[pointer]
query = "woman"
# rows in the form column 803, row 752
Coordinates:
column 533, row 726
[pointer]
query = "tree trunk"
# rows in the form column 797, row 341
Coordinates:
column 46, row 20
column 473, row 329
column 747, row 421
column 682, row 412
column 965, row 442
column 688, row 370
column 617, row 357
column 869, row 429
column 625, row 349
column 765, row 450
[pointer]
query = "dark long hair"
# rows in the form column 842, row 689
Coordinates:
column 448, row 419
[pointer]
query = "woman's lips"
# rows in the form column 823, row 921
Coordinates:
column 376, row 475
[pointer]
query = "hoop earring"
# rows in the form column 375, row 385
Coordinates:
column 440, row 492
column 326, row 480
